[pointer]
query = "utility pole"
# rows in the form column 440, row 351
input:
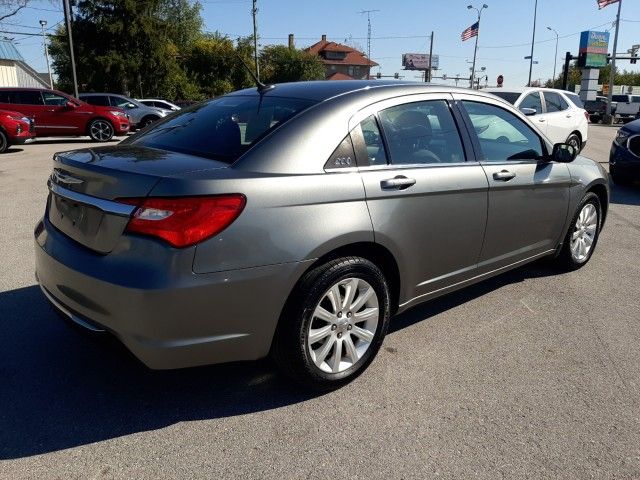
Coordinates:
column 475, row 49
column 607, row 116
column 555, row 58
column 533, row 41
column 427, row 77
column 368, row 12
column 67, row 18
column 43, row 23
column 254, row 13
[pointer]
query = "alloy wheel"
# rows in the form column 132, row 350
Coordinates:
column 101, row 130
column 343, row 325
column 584, row 233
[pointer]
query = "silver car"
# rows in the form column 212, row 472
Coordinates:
column 296, row 220
column 140, row 115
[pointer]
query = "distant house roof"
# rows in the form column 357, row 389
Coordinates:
column 340, row 76
column 352, row 55
column 8, row 51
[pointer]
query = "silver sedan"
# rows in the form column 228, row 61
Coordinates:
column 295, row 220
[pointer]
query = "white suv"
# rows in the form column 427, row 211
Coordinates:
column 558, row 114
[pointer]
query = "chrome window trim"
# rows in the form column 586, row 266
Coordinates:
column 412, row 166
column 107, row 206
column 628, row 144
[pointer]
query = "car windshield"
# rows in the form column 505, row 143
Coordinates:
column 510, row 97
column 222, row 129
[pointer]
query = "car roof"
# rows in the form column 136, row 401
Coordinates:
column 92, row 94
column 526, row 89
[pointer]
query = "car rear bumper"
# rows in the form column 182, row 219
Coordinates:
column 176, row 322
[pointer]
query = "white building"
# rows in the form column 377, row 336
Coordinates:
column 14, row 71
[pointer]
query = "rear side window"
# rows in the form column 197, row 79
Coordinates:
column 575, row 99
column 5, row 97
column 422, row 133
column 554, row 102
column 502, row 135
column 28, row 97
column 532, row 101
column 224, row 128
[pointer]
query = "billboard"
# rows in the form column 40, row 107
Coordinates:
column 419, row 61
column 593, row 49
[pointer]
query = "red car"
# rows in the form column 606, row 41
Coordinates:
column 57, row 114
column 15, row 129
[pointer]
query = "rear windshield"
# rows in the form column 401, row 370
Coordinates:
column 224, row 128
column 575, row 99
column 510, row 97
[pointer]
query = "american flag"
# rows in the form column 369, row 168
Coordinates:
column 604, row 3
column 472, row 31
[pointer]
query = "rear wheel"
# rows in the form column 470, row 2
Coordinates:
column 583, row 233
column 334, row 324
column 101, row 130
column 146, row 121
column 4, row 142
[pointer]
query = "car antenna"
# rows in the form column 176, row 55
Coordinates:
column 262, row 87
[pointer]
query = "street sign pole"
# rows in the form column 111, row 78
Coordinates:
column 607, row 116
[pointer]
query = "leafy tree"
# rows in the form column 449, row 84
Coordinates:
column 8, row 8
column 280, row 63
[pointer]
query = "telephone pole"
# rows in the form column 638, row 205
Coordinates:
column 427, row 77
column 254, row 13
column 67, row 18
column 368, row 12
column 607, row 117
column 533, row 41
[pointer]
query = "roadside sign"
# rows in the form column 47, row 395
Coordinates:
column 605, row 89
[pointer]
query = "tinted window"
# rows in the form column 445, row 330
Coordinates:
column 502, row 135
column 28, row 97
column 422, row 132
column 532, row 101
column 554, row 102
column 101, row 100
column 5, row 97
column 376, row 154
column 121, row 102
column 576, row 100
column 224, row 128
column 54, row 99
column 620, row 98
column 635, row 99
column 511, row 97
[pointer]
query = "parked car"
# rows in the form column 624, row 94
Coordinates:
column 624, row 159
column 15, row 129
column 627, row 107
column 158, row 103
column 598, row 108
column 140, row 115
column 296, row 220
column 57, row 114
column 556, row 113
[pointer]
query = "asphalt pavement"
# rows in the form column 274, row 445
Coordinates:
column 533, row 374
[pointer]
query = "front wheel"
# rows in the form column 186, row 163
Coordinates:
column 4, row 142
column 101, row 130
column 334, row 324
column 574, row 141
column 146, row 121
column 583, row 233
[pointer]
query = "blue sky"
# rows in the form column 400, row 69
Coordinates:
column 505, row 34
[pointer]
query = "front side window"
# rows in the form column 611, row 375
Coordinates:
column 28, row 97
column 422, row 133
column 532, row 101
column 224, row 128
column 121, row 102
column 100, row 100
column 54, row 99
column 502, row 135
column 376, row 154
column 554, row 102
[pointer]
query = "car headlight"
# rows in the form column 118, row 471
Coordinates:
column 622, row 137
column 117, row 114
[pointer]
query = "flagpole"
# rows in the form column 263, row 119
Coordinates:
column 608, row 118
column 475, row 49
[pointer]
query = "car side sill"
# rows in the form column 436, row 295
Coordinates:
column 470, row 281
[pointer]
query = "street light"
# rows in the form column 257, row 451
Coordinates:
column 555, row 58
column 43, row 23
column 475, row 50
column 533, row 40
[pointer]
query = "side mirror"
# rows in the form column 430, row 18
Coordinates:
column 70, row 105
column 564, row 153
column 529, row 111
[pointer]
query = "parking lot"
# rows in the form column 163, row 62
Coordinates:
column 533, row 374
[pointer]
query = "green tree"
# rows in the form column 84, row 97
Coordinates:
column 280, row 63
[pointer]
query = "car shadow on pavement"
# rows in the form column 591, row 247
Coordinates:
column 60, row 388
column 626, row 195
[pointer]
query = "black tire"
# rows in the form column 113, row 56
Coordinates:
column 101, row 130
column 565, row 259
column 4, row 142
column 574, row 141
column 146, row 121
column 290, row 348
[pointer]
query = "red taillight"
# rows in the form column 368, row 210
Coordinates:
column 184, row 221
column 586, row 115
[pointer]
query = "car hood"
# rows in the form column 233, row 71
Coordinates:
column 13, row 113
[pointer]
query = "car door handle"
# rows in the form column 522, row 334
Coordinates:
column 541, row 120
column 398, row 183
column 569, row 116
column 504, row 175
